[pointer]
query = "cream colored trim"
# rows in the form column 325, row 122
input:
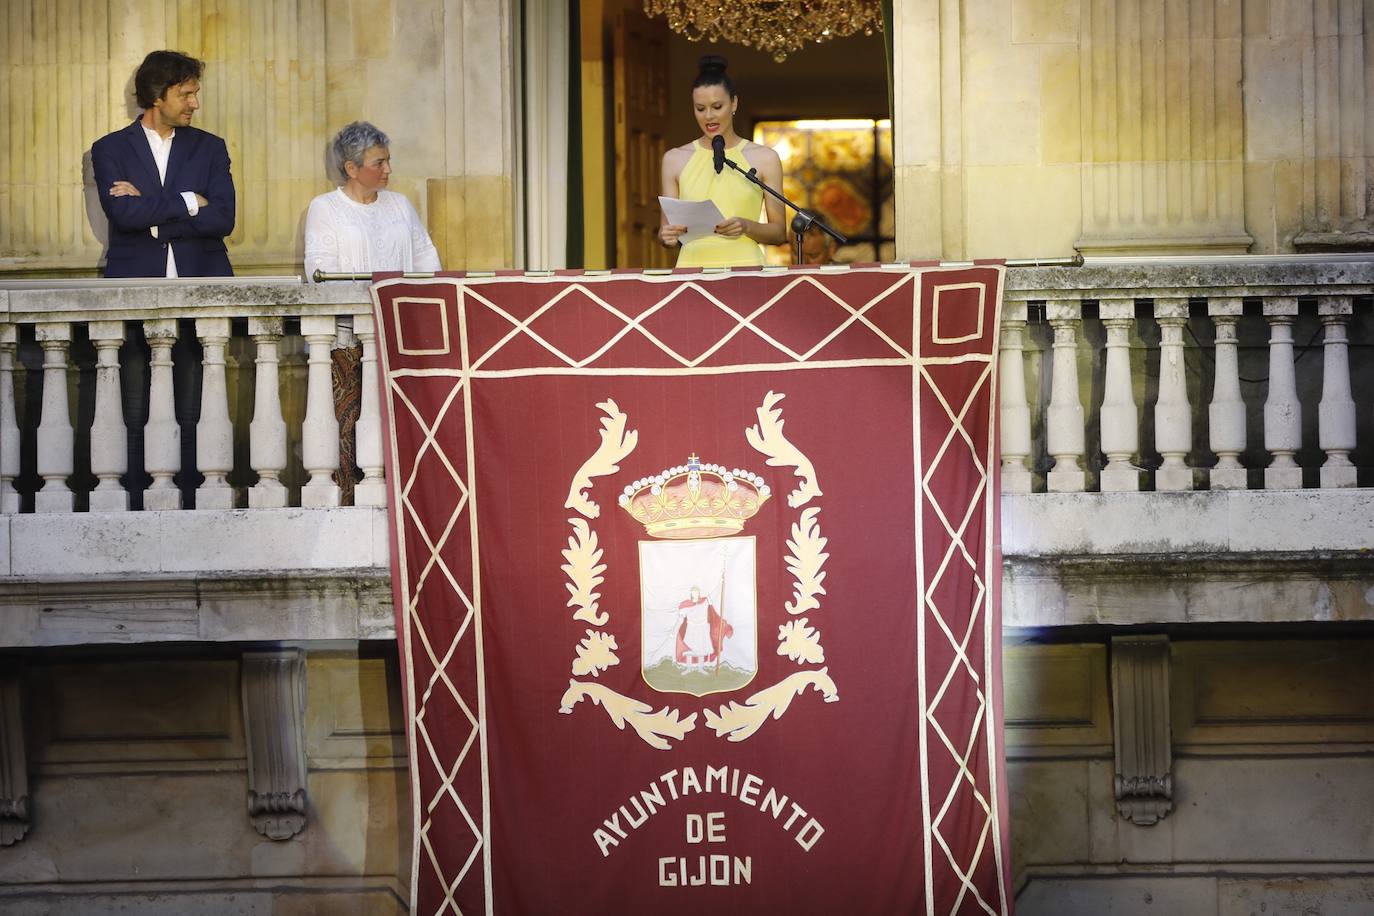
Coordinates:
column 394, row 504
column 960, row 646
column 477, row 600
column 443, row 323
column 918, row 486
column 637, row 323
column 991, row 631
column 653, row 371
column 935, row 312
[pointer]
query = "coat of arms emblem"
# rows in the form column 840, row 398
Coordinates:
column 698, row 598
column 699, row 617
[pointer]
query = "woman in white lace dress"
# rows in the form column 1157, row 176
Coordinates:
column 360, row 227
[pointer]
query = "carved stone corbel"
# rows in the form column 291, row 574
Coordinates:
column 14, row 773
column 274, row 725
column 1144, row 781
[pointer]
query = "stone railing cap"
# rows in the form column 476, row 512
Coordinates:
column 1149, row 278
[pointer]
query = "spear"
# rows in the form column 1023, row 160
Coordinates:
column 720, row 650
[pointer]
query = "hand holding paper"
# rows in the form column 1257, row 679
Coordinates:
column 701, row 217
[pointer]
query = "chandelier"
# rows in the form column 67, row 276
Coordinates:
column 777, row 27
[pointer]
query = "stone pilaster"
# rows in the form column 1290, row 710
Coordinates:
column 274, row 724
column 14, row 776
column 1162, row 127
column 1144, row 782
column 1338, row 145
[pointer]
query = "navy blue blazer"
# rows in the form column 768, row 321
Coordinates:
column 199, row 162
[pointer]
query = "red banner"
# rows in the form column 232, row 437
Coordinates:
column 697, row 590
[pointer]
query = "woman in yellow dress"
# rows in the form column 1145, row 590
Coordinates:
column 689, row 174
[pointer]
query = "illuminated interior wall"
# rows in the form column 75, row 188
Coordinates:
column 842, row 170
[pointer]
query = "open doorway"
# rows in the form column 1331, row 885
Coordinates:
column 636, row 102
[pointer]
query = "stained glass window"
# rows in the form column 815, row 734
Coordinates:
column 842, row 170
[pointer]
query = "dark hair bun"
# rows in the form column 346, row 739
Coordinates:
column 711, row 62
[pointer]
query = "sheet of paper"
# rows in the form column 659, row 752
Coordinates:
column 701, row 217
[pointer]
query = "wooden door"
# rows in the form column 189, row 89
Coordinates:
column 641, row 131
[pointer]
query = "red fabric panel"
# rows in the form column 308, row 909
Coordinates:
column 874, row 708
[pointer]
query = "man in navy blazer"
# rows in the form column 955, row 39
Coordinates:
column 164, row 184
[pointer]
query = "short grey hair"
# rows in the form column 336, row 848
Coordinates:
column 353, row 141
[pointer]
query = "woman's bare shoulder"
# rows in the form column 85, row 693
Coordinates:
column 679, row 154
column 760, row 156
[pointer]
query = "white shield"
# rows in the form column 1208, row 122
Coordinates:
column 698, row 614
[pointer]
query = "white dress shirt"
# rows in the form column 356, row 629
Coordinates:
column 162, row 151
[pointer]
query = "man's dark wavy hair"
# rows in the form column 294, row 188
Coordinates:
column 162, row 70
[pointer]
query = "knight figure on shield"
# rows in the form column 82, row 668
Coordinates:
column 695, row 515
column 701, row 634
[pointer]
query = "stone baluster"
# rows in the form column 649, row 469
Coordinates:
column 55, row 437
column 1173, row 413
column 109, row 437
column 214, row 432
column 1282, row 411
column 267, row 431
column 1120, row 417
column 9, row 422
column 320, row 437
column 1336, row 412
column 162, row 434
column 1226, row 413
column 1013, row 412
column 1064, row 418
column 371, row 490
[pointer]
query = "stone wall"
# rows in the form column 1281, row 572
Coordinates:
column 1030, row 128
column 1024, row 128
column 138, row 759
column 138, row 773
column 1270, row 771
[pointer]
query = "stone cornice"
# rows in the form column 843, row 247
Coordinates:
column 302, row 607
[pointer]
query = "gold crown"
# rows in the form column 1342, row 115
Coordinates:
column 695, row 500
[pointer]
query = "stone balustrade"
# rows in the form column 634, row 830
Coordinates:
column 1174, row 437
column 1215, row 374
column 1188, row 442
column 142, row 371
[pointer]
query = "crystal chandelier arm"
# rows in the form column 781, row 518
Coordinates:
column 778, row 29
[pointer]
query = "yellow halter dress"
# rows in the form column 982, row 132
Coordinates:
column 734, row 194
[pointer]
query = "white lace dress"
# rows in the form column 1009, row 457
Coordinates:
column 344, row 236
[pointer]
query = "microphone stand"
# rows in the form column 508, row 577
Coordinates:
column 804, row 219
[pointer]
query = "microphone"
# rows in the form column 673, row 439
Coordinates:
column 718, row 152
